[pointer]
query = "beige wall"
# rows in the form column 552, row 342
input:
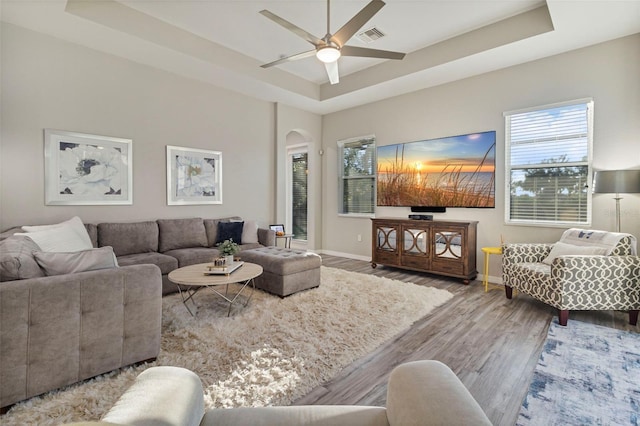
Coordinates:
column 48, row 83
column 607, row 72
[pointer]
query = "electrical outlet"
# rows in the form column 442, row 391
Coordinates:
column 359, row 237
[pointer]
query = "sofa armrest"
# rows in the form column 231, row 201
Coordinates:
column 266, row 237
column 160, row 396
column 429, row 393
column 58, row 330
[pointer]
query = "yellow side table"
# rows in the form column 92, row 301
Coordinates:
column 488, row 251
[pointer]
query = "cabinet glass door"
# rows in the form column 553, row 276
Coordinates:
column 415, row 241
column 447, row 244
column 386, row 239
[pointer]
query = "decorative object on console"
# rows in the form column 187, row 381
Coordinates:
column 84, row 169
column 455, row 171
column 194, row 176
column 617, row 182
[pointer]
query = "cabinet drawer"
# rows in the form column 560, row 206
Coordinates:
column 447, row 266
column 386, row 257
column 418, row 262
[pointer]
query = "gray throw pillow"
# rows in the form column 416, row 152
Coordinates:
column 16, row 259
column 79, row 261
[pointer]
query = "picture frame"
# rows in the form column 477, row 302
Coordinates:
column 194, row 176
column 277, row 228
column 86, row 169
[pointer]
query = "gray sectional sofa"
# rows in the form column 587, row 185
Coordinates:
column 56, row 330
column 173, row 243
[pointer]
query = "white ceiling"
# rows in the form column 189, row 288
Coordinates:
column 224, row 42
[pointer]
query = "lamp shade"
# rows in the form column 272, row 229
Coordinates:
column 616, row 181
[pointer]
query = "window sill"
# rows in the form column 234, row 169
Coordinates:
column 357, row 215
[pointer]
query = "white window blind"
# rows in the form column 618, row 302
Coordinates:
column 357, row 175
column 548, row 155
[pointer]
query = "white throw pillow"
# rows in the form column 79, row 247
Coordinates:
column 75, row 223
column 58, row 239
column 250, row 232
column 563, row 249
column 80, row 261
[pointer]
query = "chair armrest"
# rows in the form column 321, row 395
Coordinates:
column 598, row 282
column 524, row 253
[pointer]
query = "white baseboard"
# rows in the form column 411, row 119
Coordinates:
column 492, row 280
column 347, row 255
column 480, row 277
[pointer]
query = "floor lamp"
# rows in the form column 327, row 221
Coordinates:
column 617, row 182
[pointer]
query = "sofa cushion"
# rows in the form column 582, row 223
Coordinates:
column 181, row 233
column 229, row 231
column 79, row 261
column 563, row 249
column 16, row 259
column 211, row 225
column 92, row 230
column 195, row 255
column 59, row 239
column 74, row 224
column 129, row 238
column 162, row 261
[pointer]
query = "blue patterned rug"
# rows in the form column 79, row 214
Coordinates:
column 586, row 375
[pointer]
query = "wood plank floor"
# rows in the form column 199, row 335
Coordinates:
column 490, row 342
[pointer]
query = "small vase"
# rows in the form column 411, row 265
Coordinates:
column 228, row 260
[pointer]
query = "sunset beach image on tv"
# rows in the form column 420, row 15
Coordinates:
column 454, row 171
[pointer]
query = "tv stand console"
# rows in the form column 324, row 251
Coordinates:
column 438, row 247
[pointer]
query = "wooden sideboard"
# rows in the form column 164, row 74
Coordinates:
column 434, row 246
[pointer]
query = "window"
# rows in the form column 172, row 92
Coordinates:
column 548, row 164
column 299, row 172
column 297, row 190
column 357, row 175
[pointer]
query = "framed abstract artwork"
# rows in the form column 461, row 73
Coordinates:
column 194, row 176
column 84, row 169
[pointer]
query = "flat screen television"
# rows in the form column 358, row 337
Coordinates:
column 455, row 171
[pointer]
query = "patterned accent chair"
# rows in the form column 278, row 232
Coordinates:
column 577, row 282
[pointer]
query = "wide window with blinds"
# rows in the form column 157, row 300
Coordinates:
column 356, row 175
column 548, row 164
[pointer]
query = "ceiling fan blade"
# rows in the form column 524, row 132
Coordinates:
column 332, row 72
column 293, row 28
column 370, row 53
column 290, row 58
column 342, row 36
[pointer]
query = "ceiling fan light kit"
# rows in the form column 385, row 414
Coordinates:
column 328, row 54
column 330, row 48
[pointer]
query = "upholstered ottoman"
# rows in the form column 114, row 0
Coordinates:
column 285, row 271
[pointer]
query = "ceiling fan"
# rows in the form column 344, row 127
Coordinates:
column 332, row 46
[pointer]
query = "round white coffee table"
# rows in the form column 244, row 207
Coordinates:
column 193, row 278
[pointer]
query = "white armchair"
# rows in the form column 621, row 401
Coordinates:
column 585, row 280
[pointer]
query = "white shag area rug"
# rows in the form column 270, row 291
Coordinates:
column 269, row 353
